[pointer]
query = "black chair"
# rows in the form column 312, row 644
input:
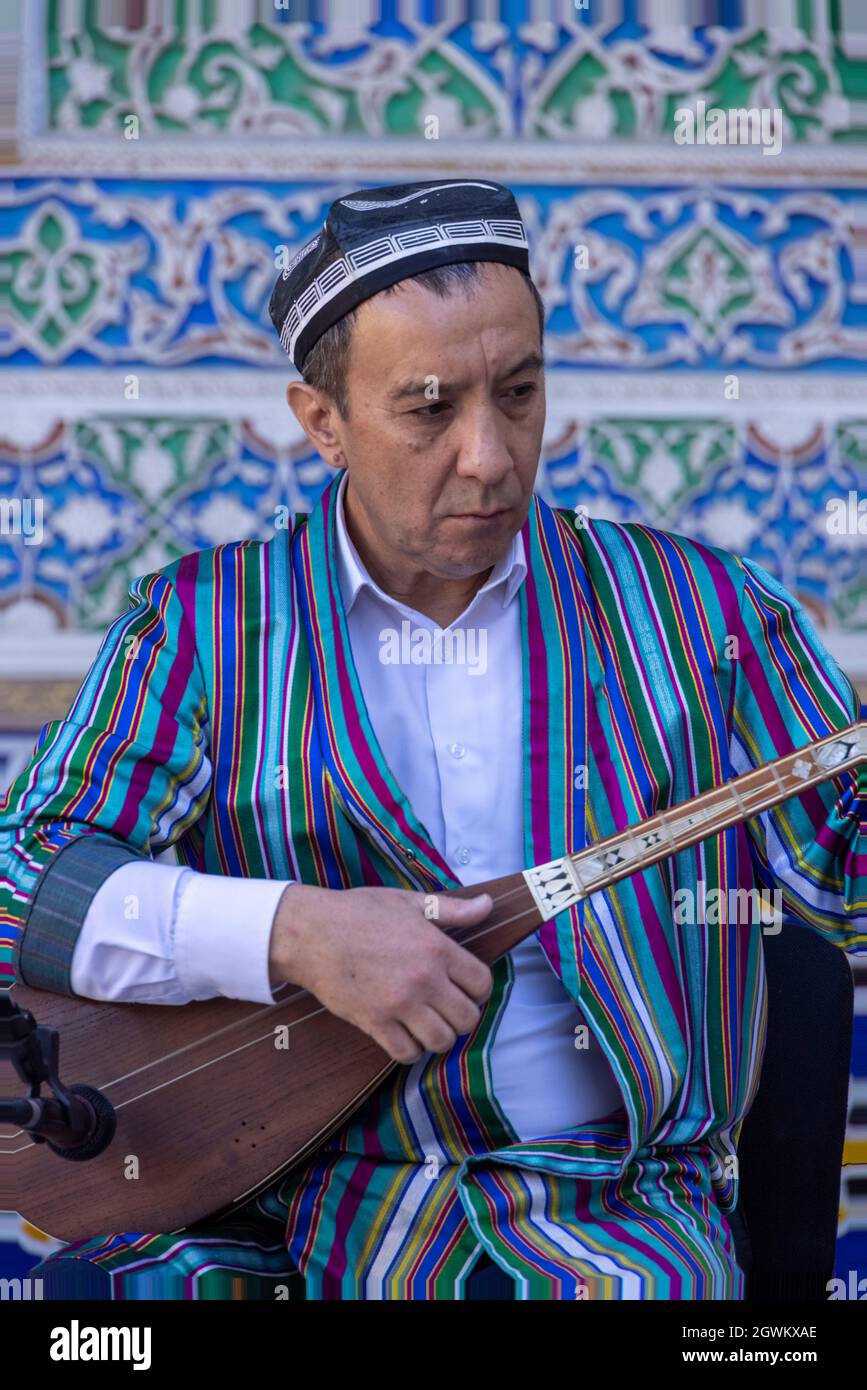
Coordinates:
column 791, row 1145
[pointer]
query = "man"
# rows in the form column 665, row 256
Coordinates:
column 278, row 711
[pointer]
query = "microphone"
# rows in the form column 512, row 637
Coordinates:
column 76, row 1122
column 81, row 1129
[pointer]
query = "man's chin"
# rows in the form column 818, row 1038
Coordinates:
column 462, row 547
column 473, row 557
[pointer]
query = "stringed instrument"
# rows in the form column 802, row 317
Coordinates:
column 211, row 1106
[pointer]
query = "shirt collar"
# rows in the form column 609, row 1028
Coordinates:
column 507, row 575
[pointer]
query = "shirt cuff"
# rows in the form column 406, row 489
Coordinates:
column 223, row 935
column 60, row 906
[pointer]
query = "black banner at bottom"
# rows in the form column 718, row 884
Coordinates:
column 261, row 1340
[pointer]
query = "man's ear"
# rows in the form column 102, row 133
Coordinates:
column 314, row 413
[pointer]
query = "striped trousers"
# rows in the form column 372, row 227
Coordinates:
column 626, row 1239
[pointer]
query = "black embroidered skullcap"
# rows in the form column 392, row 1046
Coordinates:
column 377, row 236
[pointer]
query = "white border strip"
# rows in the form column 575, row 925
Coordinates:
column 259, row 393
column 360, row 160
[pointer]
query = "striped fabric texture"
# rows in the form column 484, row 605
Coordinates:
column 223, row 714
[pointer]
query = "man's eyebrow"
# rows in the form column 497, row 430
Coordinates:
column 532, row 361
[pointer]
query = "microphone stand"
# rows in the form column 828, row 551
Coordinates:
column 76, row 1122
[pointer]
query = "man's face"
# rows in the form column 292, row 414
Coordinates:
column 423, row 467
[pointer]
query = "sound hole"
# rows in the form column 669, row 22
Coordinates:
column 244, row 1126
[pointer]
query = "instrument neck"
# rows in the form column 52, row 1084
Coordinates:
column 516, row 913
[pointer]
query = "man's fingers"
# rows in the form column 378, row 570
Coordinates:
column 399, row 1043
column 458, row 1009
column 470, row 974
column 431, row 1029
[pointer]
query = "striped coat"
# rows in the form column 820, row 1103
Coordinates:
column 223, row 714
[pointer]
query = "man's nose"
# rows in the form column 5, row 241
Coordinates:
column 482, row 444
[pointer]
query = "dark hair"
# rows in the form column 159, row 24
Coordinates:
column 325, row 364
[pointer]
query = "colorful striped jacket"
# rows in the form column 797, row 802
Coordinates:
column 223, row 714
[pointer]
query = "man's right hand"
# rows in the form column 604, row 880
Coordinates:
column 371, row 956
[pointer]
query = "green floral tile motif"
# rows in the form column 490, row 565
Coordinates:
column 629, row 86
column 229, row 68
column 61, row 288
column 121, row 495
column 660, row 463
column 153, row 465
column 220, row 70
column 783, row 492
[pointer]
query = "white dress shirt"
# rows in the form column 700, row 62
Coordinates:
column 450, row 730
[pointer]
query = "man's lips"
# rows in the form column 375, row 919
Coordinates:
column 480, row 516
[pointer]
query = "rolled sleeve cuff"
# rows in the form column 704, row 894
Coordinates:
column 60, row 905
column 223, row 936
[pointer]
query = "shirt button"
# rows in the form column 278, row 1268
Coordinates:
column 457, row 750
column 463, row 855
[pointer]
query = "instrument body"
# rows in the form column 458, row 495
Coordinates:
column 215, row 1099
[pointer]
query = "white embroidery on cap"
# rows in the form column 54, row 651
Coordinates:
column 359, row 205
column 305, row 251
